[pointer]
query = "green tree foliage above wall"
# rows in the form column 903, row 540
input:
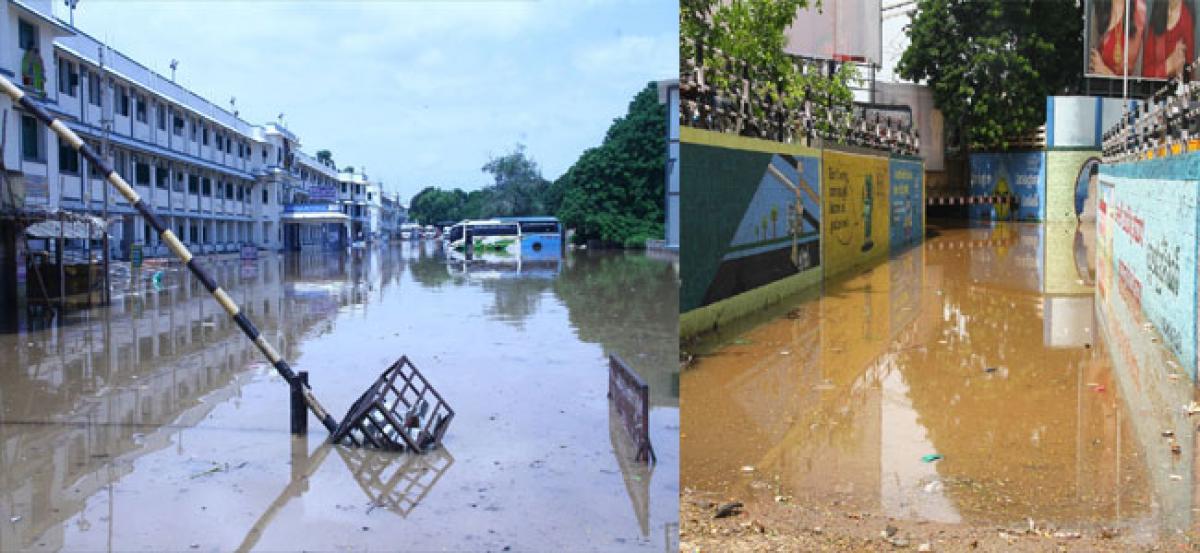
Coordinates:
column 752, row 31
column 615, row 192
column 991, row 63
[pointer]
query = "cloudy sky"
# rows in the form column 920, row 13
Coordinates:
column 419, row 93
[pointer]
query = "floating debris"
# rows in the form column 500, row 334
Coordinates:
column 1175, row 477
column 1168, row 433
column 747, row 469
column 16, row 518
column 989, row 369
column 932, row 457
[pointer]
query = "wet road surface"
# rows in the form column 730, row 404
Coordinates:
column 153, row 424
column 970, row 380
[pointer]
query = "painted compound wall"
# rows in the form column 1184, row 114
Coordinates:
column 751, row 214
column 757, row 213
column 855, row 226
column 1148, row 227
column 1022, row 174
column 1066, row 180
column 906, row 226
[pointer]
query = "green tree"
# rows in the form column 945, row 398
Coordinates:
column 614, row 192
column 991, row 63
column 752, row 31
column 518, row 184
column 325, row 157
column 434, row 205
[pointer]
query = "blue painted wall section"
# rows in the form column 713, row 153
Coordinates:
column 1153, row 221
column 1022, row 174
column 773, row 220
column 907, row 180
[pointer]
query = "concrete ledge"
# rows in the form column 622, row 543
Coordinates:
column 709, row 318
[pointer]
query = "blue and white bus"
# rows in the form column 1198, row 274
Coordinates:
column 540, row 236
column 528, row 237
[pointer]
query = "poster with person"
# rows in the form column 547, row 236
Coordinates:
column 1157, row 41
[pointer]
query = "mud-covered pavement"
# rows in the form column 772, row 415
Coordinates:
column 981, row 388
column 153, row 424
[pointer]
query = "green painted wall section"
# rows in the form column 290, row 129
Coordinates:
column 714, row 193
column 1062, row 172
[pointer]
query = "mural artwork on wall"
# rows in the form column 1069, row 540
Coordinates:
column 751, row 213
column 1021, row 174
column 855, row 189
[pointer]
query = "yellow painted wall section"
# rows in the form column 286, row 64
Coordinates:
column 854, row 229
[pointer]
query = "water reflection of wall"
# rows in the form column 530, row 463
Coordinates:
column 81, row 401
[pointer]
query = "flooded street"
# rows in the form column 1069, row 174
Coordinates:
column 154, row 423
column 981, row 379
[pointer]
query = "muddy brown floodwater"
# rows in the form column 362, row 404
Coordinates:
column 970, row 383
column 153, row 424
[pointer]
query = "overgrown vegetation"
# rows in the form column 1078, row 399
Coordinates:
column 752, row 31
column 991, row 63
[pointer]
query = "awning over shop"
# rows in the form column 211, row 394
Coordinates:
column 75, row 228
column 315, row 217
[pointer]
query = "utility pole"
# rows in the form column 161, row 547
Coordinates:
column 106, row 106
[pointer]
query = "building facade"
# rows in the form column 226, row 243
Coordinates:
column 218, row 181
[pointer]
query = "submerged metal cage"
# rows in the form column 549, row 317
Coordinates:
column 400, row 411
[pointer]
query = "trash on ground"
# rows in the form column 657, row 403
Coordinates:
column 728, row 509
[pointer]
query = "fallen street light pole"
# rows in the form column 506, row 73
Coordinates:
column 410, row 417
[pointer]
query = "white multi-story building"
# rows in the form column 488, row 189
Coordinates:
column 360, row 199
column 218, row 181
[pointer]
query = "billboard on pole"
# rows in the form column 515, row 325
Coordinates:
column 841, row 30
column 1156, row 41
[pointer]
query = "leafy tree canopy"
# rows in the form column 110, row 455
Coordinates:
column 614, row 192
column 991, row 63
column 752, row 31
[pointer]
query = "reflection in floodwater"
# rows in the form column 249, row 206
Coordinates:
column 154, row 424
column 987, row 347
column 396, row 482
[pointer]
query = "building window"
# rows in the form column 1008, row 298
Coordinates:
column 228, row 191
column 266, row 199
column 68, row 79
column 178, row 182
column 31, row 139
column 119, row 163
column 204, row 134
column 162, row 116
column 160, row 177
column 68, row 159
column 178, row 125
column 141, row 174
column 220, row 141
column 193, row 184
column 122, row 101
column 93, row 80
column 141, row 108
column 27, row 35
column 207, row 187
column 241, row 194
